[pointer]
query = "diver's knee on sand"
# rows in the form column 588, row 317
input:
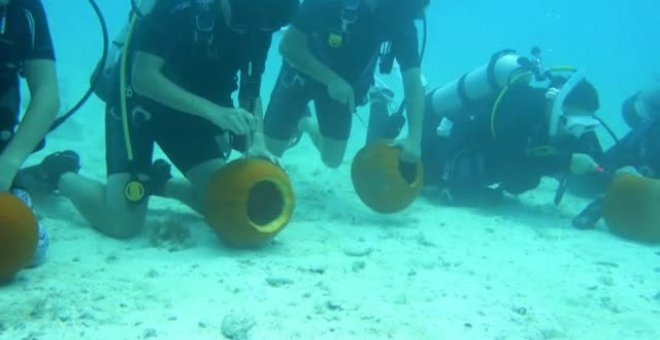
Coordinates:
column 118, row 217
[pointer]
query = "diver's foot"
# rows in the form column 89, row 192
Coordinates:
column 295, row 140
column 306, row 124
column 381, row 94
column 159, row 173
column 583, row 223
column 44, row 177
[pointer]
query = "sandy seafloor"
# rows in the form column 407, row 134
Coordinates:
column 339, row 271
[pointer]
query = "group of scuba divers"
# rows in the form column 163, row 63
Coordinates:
column 169, row 76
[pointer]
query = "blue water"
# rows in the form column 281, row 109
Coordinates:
column 616, row 42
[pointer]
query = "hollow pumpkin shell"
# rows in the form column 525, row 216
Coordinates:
column 248, row 202
column 18, row 235
column 631, row 208
column 382, row 181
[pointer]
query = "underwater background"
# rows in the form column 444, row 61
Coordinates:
column 615, row 42
column 340, row 271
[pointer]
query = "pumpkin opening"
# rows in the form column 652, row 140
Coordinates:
column 265, row 203
column 382, row 181
column 408, row 172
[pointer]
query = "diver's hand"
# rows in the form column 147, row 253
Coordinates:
column 552, row 93
column 627, row 170
column 411, row 149
column 261, row 152
column 235, row 120
column 582, row 164
column 343, row 92
column 258, row 149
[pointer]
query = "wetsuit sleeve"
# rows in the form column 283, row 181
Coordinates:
column 41, row 45
column 638, row 149
column 161, row 30
column 554, row 162
column 405, row 45
column 559, row 156
column 621, row 154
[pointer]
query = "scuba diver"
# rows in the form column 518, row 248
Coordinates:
column 172, row 86
column 330, row 56
column 640, row 148
column 500, row 128
column 26, row 50
column 637, row 153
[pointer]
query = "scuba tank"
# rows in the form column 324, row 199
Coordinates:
column 483, row 82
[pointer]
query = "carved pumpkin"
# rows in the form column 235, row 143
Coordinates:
column 632, row 208
column 382, row 181
column 248, row 202
column 18, row 235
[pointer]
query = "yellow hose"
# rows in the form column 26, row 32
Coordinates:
column 505, row 90
column 122, row 89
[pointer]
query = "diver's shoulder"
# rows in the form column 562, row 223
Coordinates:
column 173, row 10
column 30, row 5
column 174, row 7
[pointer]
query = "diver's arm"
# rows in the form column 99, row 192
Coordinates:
column 149, row 81
column 42, row 109
column 295, row 50
column 414, row 93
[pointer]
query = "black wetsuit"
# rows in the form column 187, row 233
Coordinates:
column 26, row 37
column 639, row 148
column 352, row 54
column 511, row 150
column 210, row 65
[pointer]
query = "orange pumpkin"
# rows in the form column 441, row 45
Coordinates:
column 631, row 208
column 18, row 235
column 382, row 181
column 248, row 202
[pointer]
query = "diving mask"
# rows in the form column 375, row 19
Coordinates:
column 578, row 125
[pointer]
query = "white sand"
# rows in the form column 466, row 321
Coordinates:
column 338, row 271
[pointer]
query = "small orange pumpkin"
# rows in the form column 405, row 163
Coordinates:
column 248, row 202
column 18, row 235
column 631, row 208
column 382, row 181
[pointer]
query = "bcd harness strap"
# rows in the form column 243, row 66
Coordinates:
column 349, row 16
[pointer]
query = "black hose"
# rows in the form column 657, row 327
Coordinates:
column 608, row 129
column 136, row 9
column 106, row 42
